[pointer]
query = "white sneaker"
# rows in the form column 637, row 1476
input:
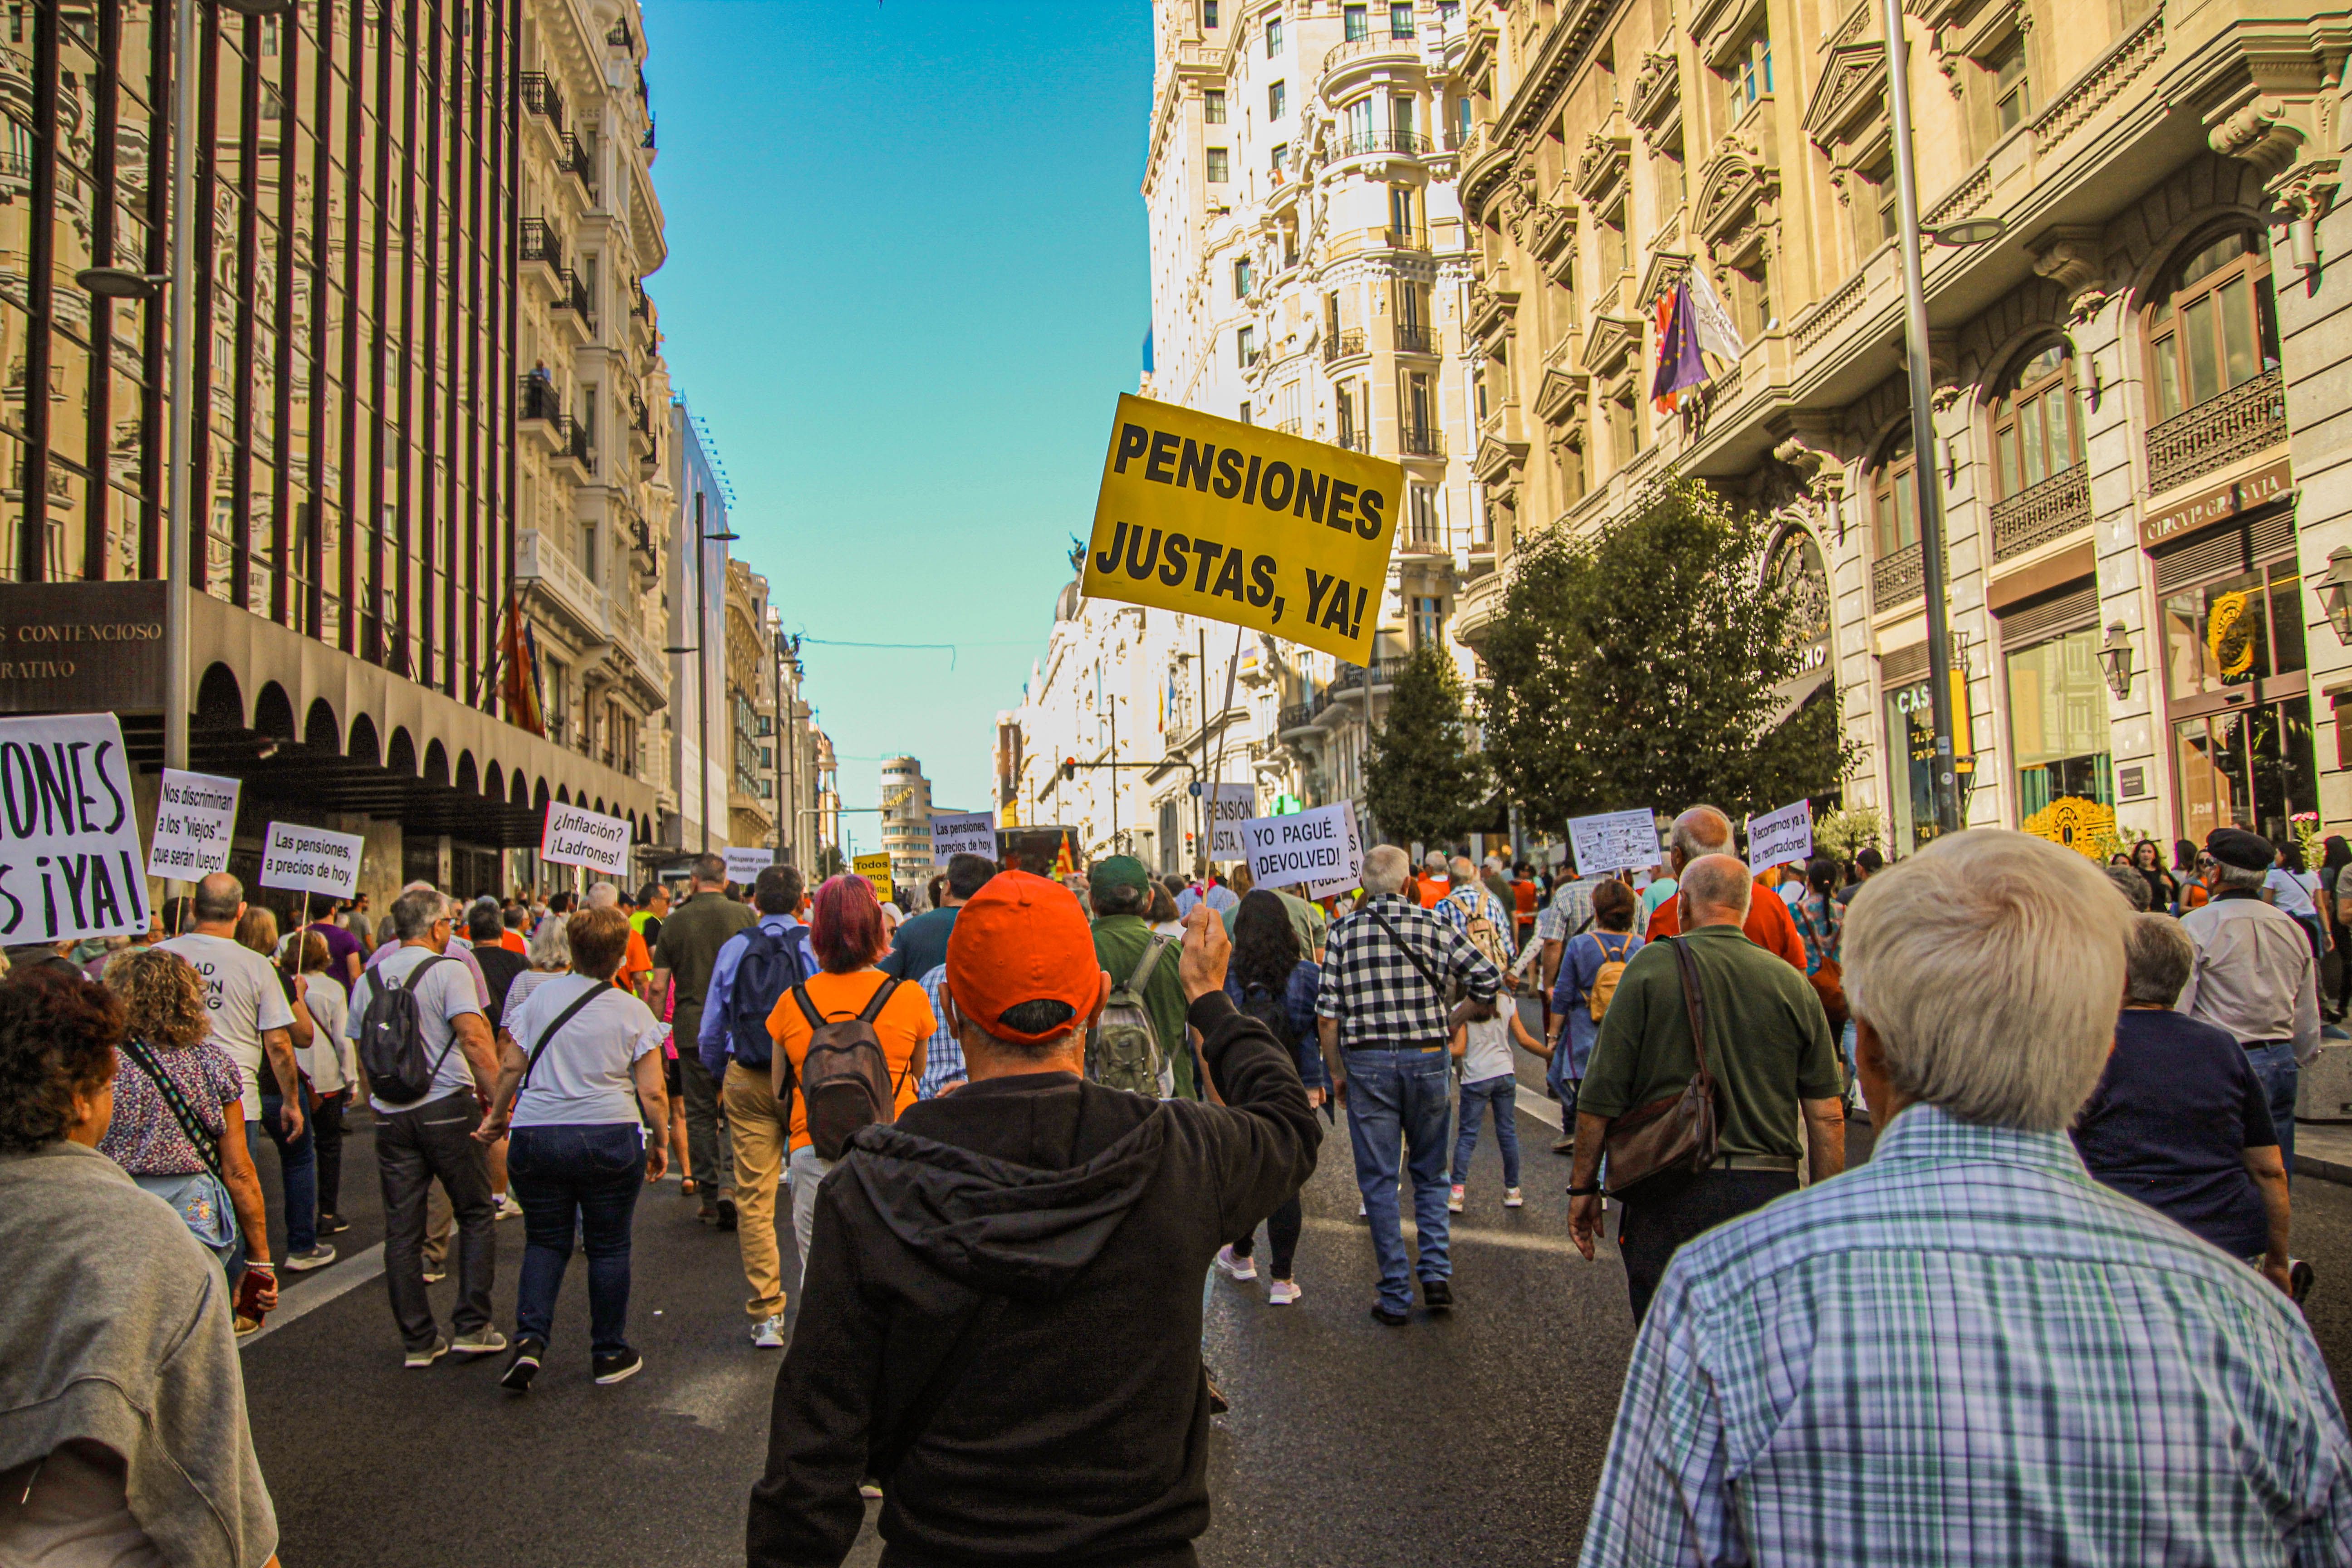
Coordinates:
column 768, row 1334
column 1453, row 1200
column 1284, row 1293
column 1512, row 1198
column 504, row 1207
column 1238, row 1266
column 483, row 1341
column 318, row 1256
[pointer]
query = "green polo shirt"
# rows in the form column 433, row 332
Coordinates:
column 1768, row 1040
column 1119, row 946
column 688, row 949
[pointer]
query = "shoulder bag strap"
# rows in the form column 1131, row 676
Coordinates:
column 207, row 1146
column 414, row 976
column 1692, row 1005
column 1410, row 951
column 546, row 1035
column 880, row 1000
column 808, row 1008
column 1148, row 963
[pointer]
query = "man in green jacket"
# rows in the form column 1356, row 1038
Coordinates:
column 1121, row 890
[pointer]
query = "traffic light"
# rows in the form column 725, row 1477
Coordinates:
column 1069, row 767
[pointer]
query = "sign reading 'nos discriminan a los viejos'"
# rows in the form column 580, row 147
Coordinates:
column 1243, row 524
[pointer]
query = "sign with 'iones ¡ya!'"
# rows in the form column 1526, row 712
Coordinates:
column 69, row 860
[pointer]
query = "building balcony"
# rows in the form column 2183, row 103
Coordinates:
column 1353, row 679
column 577, row 455
column 1338, row 346
column 1900, row 579
column 1422, row 541
column 1415, row 338
column 1370, row 143
column 2250, row 418
column 2053, row 508
column 541, row 565
column 1395, row 238
column 540, row 96
column 1299, row 716
column 540, row 412
column 1422, row 441
column 571, row 305
column 573, row 159
column 1352, row 441
column 543, row 254
column 1356, row 60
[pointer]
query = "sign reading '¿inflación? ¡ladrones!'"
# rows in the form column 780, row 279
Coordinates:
column 1243, row 524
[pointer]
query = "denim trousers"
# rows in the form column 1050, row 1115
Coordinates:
column 1502, row 1092
column 413, row 1147
column 2275, row 1066
column 298, row 1171
column 1397, row 1116
column 586, row 1176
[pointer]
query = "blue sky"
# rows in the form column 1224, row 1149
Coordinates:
column 907, row 279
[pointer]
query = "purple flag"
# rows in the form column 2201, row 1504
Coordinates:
column 1680, row 365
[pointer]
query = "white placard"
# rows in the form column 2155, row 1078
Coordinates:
column 194, row 819
column 311, row 859
column 1319, row 846
column 1614, row 841
column 577, row 836
column 963, row 832
column 1779, row 837
column 744, row 866
column 1230, row 806
column 69, row 837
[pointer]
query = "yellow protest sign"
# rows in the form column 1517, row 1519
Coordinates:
column 875, row 869
column 1243, row 524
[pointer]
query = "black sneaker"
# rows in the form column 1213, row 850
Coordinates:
column 618, row 1368
column 523, row 1365
column 2299, row 1279
column 1437, row 1295
column 726, row 1214
column 332, row 1225
column 1393, row 1320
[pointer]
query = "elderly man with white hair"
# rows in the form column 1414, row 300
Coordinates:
column 1967, row 1351
column 459, row 948
column 1381, row 1013
column 1704, row 830
column 2254, row 978
column 1769, row 1049
column 1467, row 900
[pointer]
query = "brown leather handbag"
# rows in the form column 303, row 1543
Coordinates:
column 1675, row 1132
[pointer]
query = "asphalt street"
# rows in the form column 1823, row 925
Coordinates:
column 1476, row 1436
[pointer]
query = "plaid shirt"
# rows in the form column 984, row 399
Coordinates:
column 1378, row 993
column 1570, row 907
column 1967, row 1351
column 1449, row 910
column 943, row 1057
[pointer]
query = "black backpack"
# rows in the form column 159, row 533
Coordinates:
column 770, row 966
column 1266, row 1007
column 391, row 1039
column 844, row 1078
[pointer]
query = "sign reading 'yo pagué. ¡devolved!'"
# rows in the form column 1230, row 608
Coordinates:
column 1243, row 524
column 1320, row 847
column 576, row 836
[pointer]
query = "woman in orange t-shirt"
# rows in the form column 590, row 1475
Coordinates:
column 847, row 932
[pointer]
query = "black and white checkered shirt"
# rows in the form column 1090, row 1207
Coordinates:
column 1378, row 993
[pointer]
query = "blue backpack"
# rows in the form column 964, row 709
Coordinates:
column 770, row 966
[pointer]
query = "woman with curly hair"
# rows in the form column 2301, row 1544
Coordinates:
column 175, row 1093
column 123, row 1425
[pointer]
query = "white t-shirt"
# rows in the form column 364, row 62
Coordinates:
column 328, row 1059
column 443, row 995
column 1489, row 1054
column 242, row 989
column 585, row 1076
column 2294, row 891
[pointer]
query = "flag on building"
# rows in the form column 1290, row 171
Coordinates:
column 1680, row 366
column 525, row 707
column 1718, row 333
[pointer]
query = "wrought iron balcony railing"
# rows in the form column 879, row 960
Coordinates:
column 1341, row 345
column 537, row 400
column 2248, row 418
column 540, row 95
column 1358, row 144
column 2039, row 513
column 1415, row 338
column 542, row 243
column 1422, row 441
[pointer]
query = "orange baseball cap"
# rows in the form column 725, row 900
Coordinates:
column 1022, row 939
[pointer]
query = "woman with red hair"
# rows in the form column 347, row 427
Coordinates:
column 850, row 936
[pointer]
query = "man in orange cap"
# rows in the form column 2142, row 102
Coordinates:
column 1001, row 1314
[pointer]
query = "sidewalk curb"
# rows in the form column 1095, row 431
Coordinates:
column 2324, row 1169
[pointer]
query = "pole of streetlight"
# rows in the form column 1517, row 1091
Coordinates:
column 1943, row 780
column 179, row 519
column 701, row 673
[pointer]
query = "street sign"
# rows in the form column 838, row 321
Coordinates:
column 194, row 819
column 69, row 839
column 575, row 836
column 311, row 859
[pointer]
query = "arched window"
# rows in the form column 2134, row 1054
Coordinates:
column 1895, row 498
column 2213, row 325
column 2034, row 431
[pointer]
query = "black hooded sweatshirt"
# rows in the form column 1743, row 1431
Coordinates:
column 1068, row 1226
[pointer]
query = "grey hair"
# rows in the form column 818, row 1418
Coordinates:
column 1718, row 882
column 1434, row 860
column 1701, row 830
column 2158, row 956
column 1385, row 869
column 2239, row 877
column 604, row 896
column 414, row 912
column 2130, row 884
column 2031, row 935
column 550, row 944
column 1461, row 868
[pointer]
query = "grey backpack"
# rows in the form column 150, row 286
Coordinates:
column 1124, row 1050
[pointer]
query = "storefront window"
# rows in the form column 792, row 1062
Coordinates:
column 2241, row 736
column 1911, row 735
column 2232, row 633
column 2058, row 728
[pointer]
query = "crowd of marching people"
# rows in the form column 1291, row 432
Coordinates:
column 1043, row 1117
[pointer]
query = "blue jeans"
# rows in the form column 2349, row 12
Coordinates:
column 1398, row 1104
column 1502, row 1093
column 298, row 1168
column 2275, row 1065
column 584, row 1175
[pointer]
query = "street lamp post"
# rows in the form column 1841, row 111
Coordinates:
column 176, row 539
column 702, row 542
column 1944, row 782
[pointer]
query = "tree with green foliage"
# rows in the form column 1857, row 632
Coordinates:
column 1424, row 781
column 829, row 862
column 1636, row 667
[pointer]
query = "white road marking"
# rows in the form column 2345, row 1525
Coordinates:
column 350, row 1274
column 1524, row 1241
